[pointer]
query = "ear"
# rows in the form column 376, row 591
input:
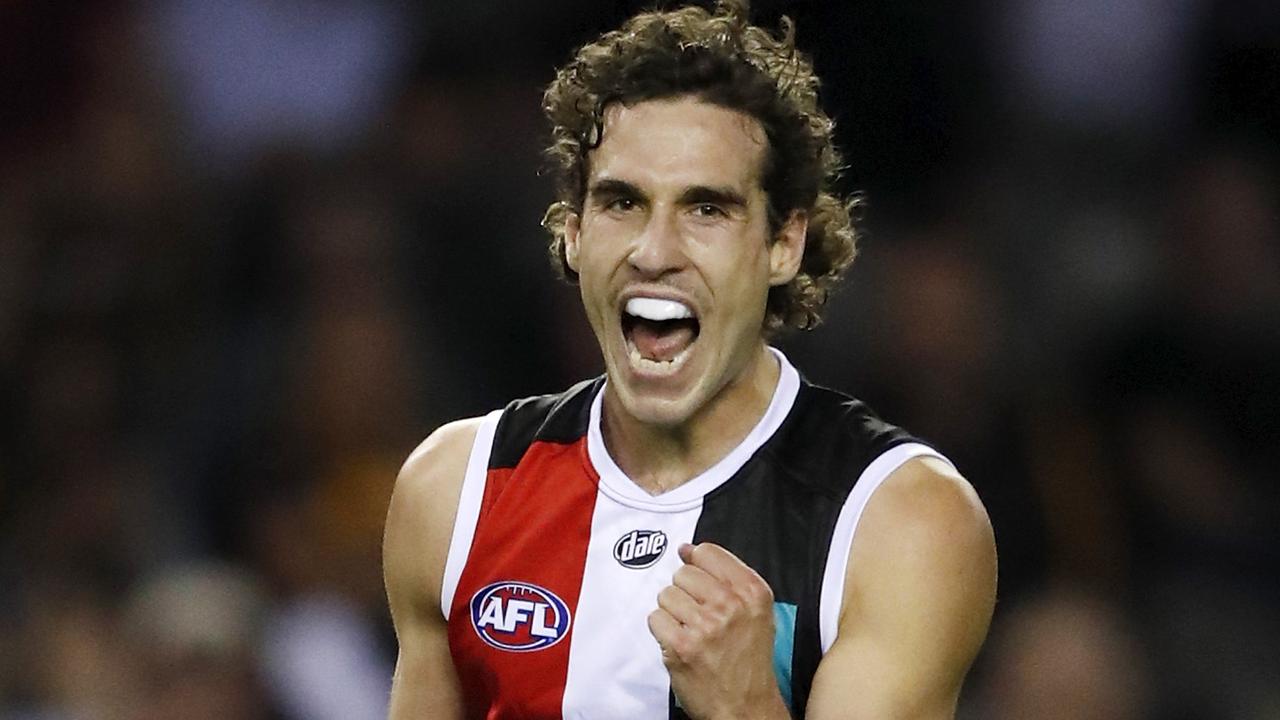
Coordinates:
column 787, row 249
column 572, row 226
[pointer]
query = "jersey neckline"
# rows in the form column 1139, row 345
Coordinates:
column 621, row 488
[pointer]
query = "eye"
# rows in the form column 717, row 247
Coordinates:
column 708, row 210
column 621, row 204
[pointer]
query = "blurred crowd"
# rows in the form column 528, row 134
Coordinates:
column 253, row 251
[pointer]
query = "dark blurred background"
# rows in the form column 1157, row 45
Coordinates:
column 252, row 251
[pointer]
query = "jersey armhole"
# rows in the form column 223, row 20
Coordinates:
column 464, row 524
column 832, row 598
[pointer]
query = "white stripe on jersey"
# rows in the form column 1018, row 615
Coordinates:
column 615, row 665
column 464, row 525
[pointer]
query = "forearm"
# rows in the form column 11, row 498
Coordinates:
column 429, row 691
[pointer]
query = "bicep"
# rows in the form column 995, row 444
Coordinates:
column 918, row 599
column 415, row 545
column 424, row 684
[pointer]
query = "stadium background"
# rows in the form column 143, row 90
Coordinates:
column 252, row 251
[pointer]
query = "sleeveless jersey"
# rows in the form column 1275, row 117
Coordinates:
column 557, row 558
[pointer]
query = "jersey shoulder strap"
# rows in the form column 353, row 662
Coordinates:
column 830, row 438
column 560, row 418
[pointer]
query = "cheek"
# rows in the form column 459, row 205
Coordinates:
column 599, row 245
column 591, row 293
column 745, row 276
column 593, row 283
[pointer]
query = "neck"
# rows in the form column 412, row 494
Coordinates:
column 661, row 458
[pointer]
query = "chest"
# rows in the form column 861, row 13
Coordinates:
column 550, row 614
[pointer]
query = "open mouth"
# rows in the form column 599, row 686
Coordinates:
column 659, row 332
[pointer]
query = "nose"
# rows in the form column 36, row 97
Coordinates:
column 658, row 249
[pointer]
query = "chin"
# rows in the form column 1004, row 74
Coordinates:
column 657, row 412
column 652, row 401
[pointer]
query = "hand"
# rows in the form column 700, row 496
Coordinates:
column 714, row 624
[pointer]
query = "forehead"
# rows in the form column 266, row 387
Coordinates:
column 679, row 142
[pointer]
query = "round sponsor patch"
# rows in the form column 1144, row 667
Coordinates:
column 640, row 549
column 519, row 616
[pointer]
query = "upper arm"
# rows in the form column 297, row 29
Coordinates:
column 414, row 549
column 918, row 597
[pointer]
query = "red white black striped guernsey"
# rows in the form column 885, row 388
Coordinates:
column 557, row 558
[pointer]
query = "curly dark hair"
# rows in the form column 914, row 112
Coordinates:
column 718, row 57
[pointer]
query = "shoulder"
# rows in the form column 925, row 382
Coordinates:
column 924, row 549
column 448, row 446
column 926, row 497
column 436, row 467
column 423, row 506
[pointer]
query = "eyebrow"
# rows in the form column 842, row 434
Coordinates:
column 695, row 195
column 722, row 196
column 613, row 188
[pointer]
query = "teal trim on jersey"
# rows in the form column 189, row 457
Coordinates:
column 784, row 635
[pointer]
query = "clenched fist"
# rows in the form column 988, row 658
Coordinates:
column 714, row 624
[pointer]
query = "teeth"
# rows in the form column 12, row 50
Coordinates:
column 657, row 310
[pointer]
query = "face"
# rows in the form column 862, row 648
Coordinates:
column 674, row 254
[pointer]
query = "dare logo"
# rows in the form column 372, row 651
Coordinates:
column 519, row 616
column 640, row 548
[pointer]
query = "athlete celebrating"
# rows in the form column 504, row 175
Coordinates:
column 700, row 533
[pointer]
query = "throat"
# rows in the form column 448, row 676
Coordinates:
column 657, row 463
column 660, row 453
column 656, row 485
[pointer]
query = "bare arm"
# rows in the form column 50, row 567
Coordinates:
column 415, row 545
column 919, row 594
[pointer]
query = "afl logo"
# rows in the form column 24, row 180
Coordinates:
column 519, row 616
column 640, row 549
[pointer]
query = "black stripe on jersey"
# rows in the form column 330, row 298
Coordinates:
column 561, row 418
column 779, row 511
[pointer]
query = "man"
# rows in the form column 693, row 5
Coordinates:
column 695, row 534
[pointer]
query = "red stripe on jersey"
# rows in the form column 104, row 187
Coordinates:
column 494, row 483
column 551, row 493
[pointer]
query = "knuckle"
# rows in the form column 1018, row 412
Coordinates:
column 725, row 606
column 692, row 637
column 759, row 593
column 762, row 612
column 762, row 587
column 707, row 627
column 685, row 648
column 726, row 599
column 715, row 624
